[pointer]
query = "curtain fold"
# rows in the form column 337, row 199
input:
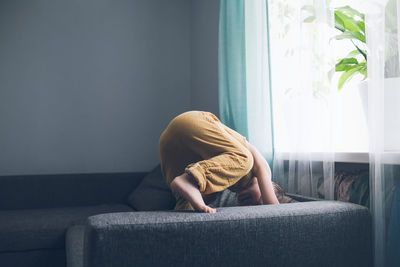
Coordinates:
column 232, row 65
column 375, row 29
column 244, row 80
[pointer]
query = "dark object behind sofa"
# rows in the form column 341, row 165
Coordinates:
column 152, row 193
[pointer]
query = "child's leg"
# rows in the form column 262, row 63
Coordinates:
column 185, row 187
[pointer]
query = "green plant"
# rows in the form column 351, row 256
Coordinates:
column 351, row 23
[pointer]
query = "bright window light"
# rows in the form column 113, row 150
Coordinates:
column 350, row 124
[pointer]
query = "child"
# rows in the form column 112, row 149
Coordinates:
column 200, row 156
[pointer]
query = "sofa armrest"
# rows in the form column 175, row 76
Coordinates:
column 74, row 243
column 318, row 233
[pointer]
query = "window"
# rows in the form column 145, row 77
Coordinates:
column 308, row 107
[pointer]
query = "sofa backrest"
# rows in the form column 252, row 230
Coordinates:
column 65, row 190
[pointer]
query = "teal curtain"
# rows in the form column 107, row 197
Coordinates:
column 245, row 98
column 232, row 66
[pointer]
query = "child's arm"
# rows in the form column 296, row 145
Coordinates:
column 263, row 173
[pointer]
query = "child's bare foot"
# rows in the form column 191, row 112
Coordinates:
column 184, row 186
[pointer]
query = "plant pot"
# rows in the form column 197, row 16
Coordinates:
column 391, row 115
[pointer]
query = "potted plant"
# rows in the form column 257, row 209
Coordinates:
column 351, row 24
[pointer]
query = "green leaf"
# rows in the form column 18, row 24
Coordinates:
column 346, row 64
column 339, row 68
column 309, row 19
column 363, row 71
column 347, row 75
column 361, row 25
column 339, row 24
column 353, row 53
column 351, row 11
column 348, row 22
column 363, row 52
column 351, row 60
column 351, row 35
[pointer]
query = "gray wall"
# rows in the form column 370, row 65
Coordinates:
column 204, row 50
column 89, row 85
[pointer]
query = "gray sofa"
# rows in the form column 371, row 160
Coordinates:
column 85, row 220
column 37, row 210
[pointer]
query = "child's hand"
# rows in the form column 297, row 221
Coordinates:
column 251, row 195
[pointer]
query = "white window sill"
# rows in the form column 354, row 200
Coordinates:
column 347, row 157
column 352, row 157
column 389, row 157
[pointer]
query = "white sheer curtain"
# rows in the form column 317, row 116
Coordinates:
column 304, row 99
column 259, row 117
column 382, row 23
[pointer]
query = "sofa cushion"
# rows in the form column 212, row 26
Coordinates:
column 46, row 191
column 152, row 193
column 34, row 258
column 45, row 228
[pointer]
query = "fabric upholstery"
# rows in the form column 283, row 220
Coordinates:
column 393, row 237
column 44, row 228
column 152, row 193
column 33, row 258
column 226, row 198
column 74, row 240
column 301, row 198
column 318, row 233
column 74, row 244
column 65, row 190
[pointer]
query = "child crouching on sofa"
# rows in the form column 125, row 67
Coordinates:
column 201, row 156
